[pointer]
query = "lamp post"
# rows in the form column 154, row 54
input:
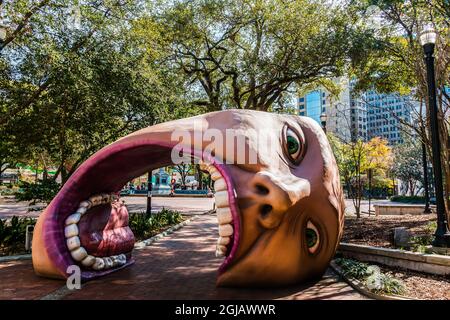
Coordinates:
column 323, row 121
column 149, row 193
column 425, row 179
column 442, row 234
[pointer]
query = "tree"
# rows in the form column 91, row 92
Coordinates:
column 249, row 53
column 393, row 61
column 67, row 90
column 183, row 170
column 355, row 158
column 407, row 165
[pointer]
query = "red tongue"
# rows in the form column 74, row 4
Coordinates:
column 104, row 230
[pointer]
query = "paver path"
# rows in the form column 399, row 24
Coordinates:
column 180, row 266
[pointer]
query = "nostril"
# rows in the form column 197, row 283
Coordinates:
column 260, row 189
column 266, row 209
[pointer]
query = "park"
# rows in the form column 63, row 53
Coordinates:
column 224, row 150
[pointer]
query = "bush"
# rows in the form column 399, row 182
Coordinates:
column 408, row 199
column 42, row 191
column 146, row 225
column 12, row 234
column 371, row 276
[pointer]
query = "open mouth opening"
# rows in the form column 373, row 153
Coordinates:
column 87, row 224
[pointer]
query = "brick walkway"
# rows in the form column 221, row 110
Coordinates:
column 181, row 266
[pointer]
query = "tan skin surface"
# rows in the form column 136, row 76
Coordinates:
column 278, row 197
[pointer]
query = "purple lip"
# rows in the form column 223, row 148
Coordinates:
column 107, row 172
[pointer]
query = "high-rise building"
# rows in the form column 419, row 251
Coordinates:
column 337, row 109
column 359, row 116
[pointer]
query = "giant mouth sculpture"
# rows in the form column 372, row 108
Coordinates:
column 280, row 218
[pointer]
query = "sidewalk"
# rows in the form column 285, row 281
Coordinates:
column 181, row 266
column 185, row 205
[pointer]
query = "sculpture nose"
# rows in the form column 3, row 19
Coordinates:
column 272, row 197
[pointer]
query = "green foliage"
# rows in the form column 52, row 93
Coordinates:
column 68, row 90
column 352, row 268
column 146, row 225
column 248, row 54
column 356, row 158
column 371, row 276
column 12, row 234
column 407, row 164
column 42, row 191
column 408, row 199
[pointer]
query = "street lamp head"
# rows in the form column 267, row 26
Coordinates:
column 428, row 35
column 323, row 117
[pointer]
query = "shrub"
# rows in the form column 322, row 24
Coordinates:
column 408, row 199
column 146, row 225
column 42, row 191
column 12, row 233
column 371, row 276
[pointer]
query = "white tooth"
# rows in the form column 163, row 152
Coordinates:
column 222, row 249
column 71, row 231
column 95, row 200
column 115, row 260
column 81, row 210
column 223, row 241
column 86, row 204
column 204, row 166
column 79, row 254
column 73, row 218
column 106, row 198
column 108, row 262
column 224, row 215
column 219, row 253
column 88, row 261
column 99, row 264
column 225, row 230
column 220, row 185
column 215, row 175
column 122, row 258
column 221, row 198
column 73, row 243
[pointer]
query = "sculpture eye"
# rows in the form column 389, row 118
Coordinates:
column 293, row 145
column 312, row 237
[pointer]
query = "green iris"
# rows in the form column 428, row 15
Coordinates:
column 292, row 144
column 311, row 237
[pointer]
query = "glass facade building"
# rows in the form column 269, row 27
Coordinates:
column 312, row 104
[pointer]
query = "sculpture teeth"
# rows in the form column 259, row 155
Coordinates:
column 73, row 241
column 88, row 261
column 220, row 185
column 79, row 254
column 225, row 230
column 221, row 251
column 224, row 215
column 221, row 198
column 223, row 241
column 215, row 175
column 71, row 231
column 99, row 264
column 73, row 218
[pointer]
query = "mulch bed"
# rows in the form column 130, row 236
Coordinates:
column 420, row 285
column 377, row 231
